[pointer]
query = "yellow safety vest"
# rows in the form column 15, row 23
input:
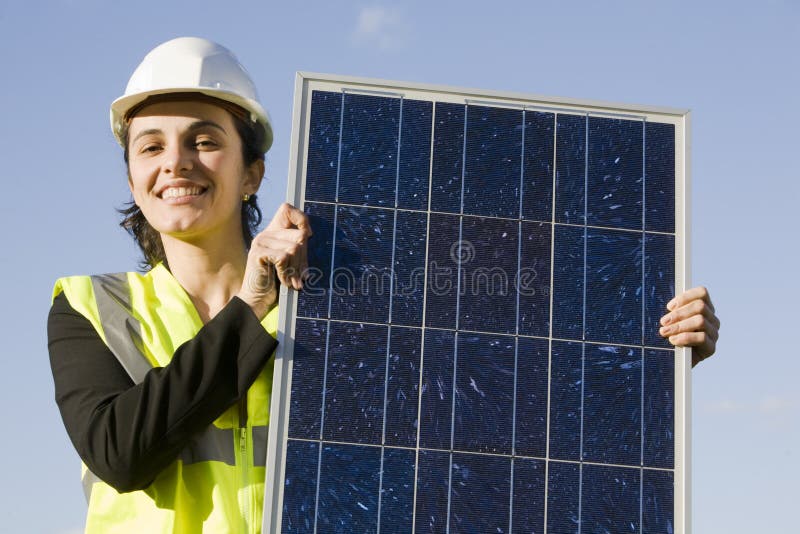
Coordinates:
column 217, row 483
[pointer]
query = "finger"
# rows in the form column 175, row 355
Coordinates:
column 695, row 293
column 294, row 268
column 288, row 256
column 702, row 345
column 695, row 323
column 275, row 243
column 284, row 272
column 300, row 265
column 284, row 275
column 266, row 256
column 288, row 216
column 259, row 277
column 287, row 272
column 299, row 219
column 285, row 262
column 695, row 307
column 286, row 234
column 688, row 339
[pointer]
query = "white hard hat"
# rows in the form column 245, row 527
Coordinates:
column 191, row 65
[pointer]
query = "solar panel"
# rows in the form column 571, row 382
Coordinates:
column 477, row 348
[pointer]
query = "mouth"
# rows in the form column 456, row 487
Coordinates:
column 176, row 193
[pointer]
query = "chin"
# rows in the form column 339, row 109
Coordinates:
column 179, row 229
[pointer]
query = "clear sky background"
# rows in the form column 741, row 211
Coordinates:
column 734, row 64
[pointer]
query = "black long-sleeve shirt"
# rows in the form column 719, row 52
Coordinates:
column 127, row 433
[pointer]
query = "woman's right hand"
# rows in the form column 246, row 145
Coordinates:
column 279, row 251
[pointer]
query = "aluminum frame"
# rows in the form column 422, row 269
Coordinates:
column 305, row 82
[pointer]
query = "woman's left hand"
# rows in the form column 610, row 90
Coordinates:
column 692, row 322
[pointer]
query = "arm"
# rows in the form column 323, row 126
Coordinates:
column 692, row 322
column 125, row 433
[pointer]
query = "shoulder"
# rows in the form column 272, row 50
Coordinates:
column 80, row 297
column 86, row 287
column 65, row 322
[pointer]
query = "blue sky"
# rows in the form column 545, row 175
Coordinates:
column 733, row 64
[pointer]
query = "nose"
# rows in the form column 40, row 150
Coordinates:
column 177, row 159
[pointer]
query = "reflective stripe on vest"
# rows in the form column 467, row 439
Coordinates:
column 87, row 481
column 113, row 297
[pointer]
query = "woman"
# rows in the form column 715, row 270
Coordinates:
column 185, row 442
column 163, row 379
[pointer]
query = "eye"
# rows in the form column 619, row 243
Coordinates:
column 150, row 148
column 205, row 143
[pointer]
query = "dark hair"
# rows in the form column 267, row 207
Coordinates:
column 148, row 239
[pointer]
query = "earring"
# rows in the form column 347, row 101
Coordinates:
column 245, row 197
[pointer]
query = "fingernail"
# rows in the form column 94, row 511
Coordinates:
column 666, row 320
column 665, row 330
column 671, row 304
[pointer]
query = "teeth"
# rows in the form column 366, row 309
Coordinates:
column 175, row 192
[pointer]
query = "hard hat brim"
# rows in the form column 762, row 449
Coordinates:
column 122, row 105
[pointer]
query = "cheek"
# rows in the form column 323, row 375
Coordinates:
column 221, row 163
column 140, row 181
column 229, row 174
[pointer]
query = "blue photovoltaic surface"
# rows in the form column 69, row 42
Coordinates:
column 477, row 348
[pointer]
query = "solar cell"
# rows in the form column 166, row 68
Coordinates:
column 477, row 347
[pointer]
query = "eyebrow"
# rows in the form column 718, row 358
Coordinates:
column 193, row 126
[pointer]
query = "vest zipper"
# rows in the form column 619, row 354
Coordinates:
column 245, row 465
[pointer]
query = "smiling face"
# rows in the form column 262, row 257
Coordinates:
column 186, row 170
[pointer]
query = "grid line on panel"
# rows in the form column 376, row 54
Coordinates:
column 452, row 429
column 511, row 499
column 524, row 106
column 644, row 310
column 552, row 109
column 422, row 324
column 521, row 174
column 339, row 150
column 330, row 304
column 644, row 227
column 335, row 213
column 389, row 327
column 463, row 162
column 519, row 240
column 516, row 329
column 460, row 240
column 550, row 326
column 486, row 332
column 489, row 454
column 321, row 422
column 380, row 490
column 399, row 145
column 492, row 217
column 583, row 328
column 458, row 316
column 494, row 104
column 572, row 111
column 394, row 224
column 373, row 92
column 385, row 402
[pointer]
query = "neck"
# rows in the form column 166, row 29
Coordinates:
column 211, row 273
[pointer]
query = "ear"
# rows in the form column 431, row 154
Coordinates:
column 253, row 176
